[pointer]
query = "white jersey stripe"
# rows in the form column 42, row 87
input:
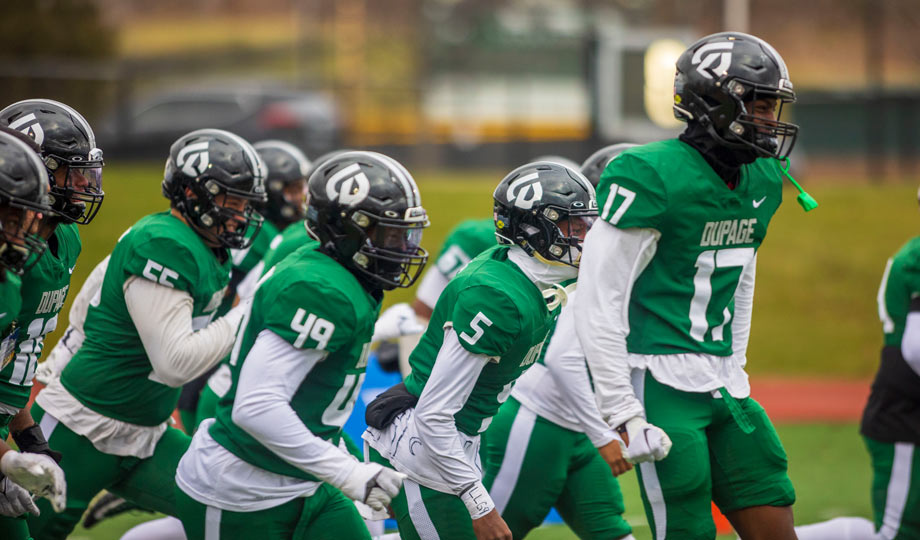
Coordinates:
column 418, row 513
column 898, row 489
column 515, row 450
column 649, row 473
column 887, row 321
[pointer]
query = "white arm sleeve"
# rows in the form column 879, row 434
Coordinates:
column 163, row 318
column 72, row 339
column 744, row 307
column 448, row 387
column 431, row 286
column 566, row 363
column 611, row 262
column 269, row 377
column 910, row 341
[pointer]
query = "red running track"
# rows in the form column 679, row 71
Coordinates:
column 811, row 399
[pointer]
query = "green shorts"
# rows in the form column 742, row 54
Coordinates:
column 148, row 482
column 895, row 489
column 532, row 465
column 325, row 515
column 733, row 458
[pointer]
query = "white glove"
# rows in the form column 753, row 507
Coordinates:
column 14, row 500
column 373, row 485
column 51, row 368
column 37, row 473
column 647, row 442
column 398, row 320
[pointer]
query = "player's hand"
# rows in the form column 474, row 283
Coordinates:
column 644, row 441
column 37, row 473
column 398, row 320
column 14, row 500
column 491, row 527
column 613, row 453
column 373, row 485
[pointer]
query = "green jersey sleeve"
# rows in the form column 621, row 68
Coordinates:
column 309, row 316
column 631, row 194
column 164, row 261
column 486, row 320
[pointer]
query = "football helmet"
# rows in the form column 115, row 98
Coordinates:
column 23, row 197
column 720, row 76
column 546, row 208
column 206, row 166
column 286, row 183
column 594, row 166
column 556, row 159
column 365, row 210
column 69, row 152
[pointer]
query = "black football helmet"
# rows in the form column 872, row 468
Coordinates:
column 365, row 210
column 68, row 149
column 286, row 182
column 208, row 163
column 594, row 166
column 23, row 198
column 546, row 208
column 720, row 76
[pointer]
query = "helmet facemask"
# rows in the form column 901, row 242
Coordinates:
column 567, row 234
column 218, row 223
column 79, row 199
column 769, row 137
column 20, row 245
column 391, row 253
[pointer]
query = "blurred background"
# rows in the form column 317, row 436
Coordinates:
column 457, row 83
column 462, row 91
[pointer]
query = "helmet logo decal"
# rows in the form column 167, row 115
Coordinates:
column 33, row 130
column 193, row 159
column 350, row 185
column 523, row 185
column 721, row 52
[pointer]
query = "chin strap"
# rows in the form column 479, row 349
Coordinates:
column 557, row 295
column 806, row 201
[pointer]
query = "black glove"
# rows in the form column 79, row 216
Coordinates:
column 33, row 440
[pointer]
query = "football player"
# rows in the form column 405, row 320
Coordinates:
column 891, row 421
column 23, row 199
column 487, row 328
column 270, row 464
column 666, row 287
column 548, row 445
column 152, row 330
column 594, row 166
column 74, row 166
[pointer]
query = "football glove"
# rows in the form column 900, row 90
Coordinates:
column 32, row 440
column 38, row 474
column 647, row 442
column 373, row 485
column 398, row 320
column 14, row 500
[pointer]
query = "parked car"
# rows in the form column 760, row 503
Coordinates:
column 145, row 128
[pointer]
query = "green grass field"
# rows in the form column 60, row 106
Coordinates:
column 815, row 310
column 828, row 464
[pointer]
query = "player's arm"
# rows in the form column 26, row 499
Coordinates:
column 163, row 318
column 72, row 339
column 565, row 361
column 744, row 307
column 910, row 342
column 451, row 381
column 270, row 376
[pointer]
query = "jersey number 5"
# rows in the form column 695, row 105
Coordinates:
column 708, row 265
column 477, row 330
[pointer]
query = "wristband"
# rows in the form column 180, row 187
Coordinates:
column 477, row 500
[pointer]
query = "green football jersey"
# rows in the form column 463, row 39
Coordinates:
column 293, row 238
column 900, row 285
column 244, row 260
column 312, row 302
column 464, row 242
column 683, row 302
column 10, row 303
column 495, row 311
column 44, row 289
column 111, row 372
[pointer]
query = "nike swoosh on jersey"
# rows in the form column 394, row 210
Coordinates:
column 74, row 266
column 758, row 203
